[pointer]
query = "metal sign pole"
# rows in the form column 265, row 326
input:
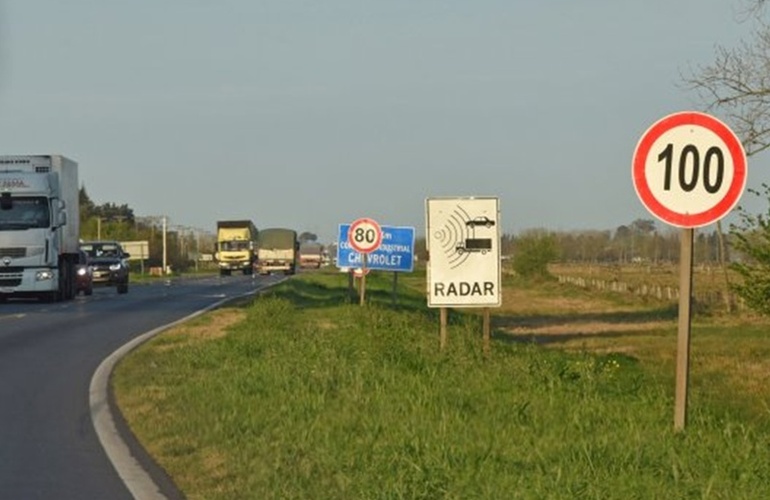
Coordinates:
column 683, row 339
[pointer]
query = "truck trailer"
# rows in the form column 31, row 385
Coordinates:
column 310, row 255
column 236, row 246
column 277, row 251
column 39, row 227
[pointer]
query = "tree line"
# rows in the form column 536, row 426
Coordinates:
column 110, row 221
column 735, row 86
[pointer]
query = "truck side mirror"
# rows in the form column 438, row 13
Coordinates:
column 61, row 215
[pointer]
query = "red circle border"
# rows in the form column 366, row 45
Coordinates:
column 358, row 222
column 737, row 154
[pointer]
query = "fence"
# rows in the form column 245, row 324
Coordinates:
column 665, row 293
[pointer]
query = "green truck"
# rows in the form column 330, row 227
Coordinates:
column 277, row 251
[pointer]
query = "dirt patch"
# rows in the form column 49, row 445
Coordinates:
column 214, row 326
column 532, row 302
column 325, row 324
column 583, row 328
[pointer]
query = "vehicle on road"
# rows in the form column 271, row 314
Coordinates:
column 84, row 281
column 39, row 226
column 236, row 246
column 310, row 255
column 109, row 263
column 277, row 251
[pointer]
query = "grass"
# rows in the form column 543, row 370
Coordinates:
column 302, row 394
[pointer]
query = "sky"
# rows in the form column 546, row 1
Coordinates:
column 309, row 114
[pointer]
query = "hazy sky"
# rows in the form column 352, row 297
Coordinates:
column 311, row 113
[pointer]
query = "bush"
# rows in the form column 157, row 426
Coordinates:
column 533, row 253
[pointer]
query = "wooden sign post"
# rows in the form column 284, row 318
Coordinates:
column 689, row 170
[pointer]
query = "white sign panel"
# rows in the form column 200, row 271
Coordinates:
column 463, row 240
column 138, row 250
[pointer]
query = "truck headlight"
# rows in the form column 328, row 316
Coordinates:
column 44, row 275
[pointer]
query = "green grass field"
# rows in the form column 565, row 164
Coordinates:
column 302, row 394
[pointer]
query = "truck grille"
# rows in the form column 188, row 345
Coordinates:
column 14, row 252
column 10, row 279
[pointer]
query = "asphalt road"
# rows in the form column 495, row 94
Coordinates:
column 48, row 355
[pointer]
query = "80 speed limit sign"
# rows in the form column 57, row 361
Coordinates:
column 365, row 235
column 689, row 169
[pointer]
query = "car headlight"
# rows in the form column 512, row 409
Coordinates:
column 82, row 271
column 115, row 267
column 44, row 275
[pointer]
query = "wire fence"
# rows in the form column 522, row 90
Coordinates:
column 660, row 292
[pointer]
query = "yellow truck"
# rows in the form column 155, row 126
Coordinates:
column 236, row 246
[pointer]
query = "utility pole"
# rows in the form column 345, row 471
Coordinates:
column 165, row 265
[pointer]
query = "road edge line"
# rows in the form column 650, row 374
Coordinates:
column 134, row 476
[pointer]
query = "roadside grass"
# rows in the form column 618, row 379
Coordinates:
column 305, row 394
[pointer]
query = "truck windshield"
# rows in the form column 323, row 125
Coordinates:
column 233, row 246
column 26, row 213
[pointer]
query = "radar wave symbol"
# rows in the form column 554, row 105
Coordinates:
column 453, row 233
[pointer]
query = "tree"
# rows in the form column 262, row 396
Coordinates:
column 114, row 212
column 306, row 237
column 737, row 86
column 87, row 206
column 752, row 241
column 534, row 251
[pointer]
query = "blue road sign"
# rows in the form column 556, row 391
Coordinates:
column 396, row 253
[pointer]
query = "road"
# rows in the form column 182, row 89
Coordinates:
column 48, row 355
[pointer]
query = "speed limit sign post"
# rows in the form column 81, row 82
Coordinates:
column 364, row 236
column 689, row 170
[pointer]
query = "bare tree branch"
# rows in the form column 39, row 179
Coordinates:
column 737, row 86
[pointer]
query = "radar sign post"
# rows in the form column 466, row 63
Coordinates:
column 689, row 170
column 463, row 243
column 364, row 236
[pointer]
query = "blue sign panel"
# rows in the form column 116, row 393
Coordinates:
column 396, row 253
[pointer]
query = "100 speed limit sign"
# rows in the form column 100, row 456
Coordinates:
column 689, row 169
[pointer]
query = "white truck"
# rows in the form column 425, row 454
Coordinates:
column 39, row 227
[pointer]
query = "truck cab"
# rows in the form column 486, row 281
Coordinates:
column 39, row 226
column 236, row 246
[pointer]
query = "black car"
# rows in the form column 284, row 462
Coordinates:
column 109, row 263
column 480, row 221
